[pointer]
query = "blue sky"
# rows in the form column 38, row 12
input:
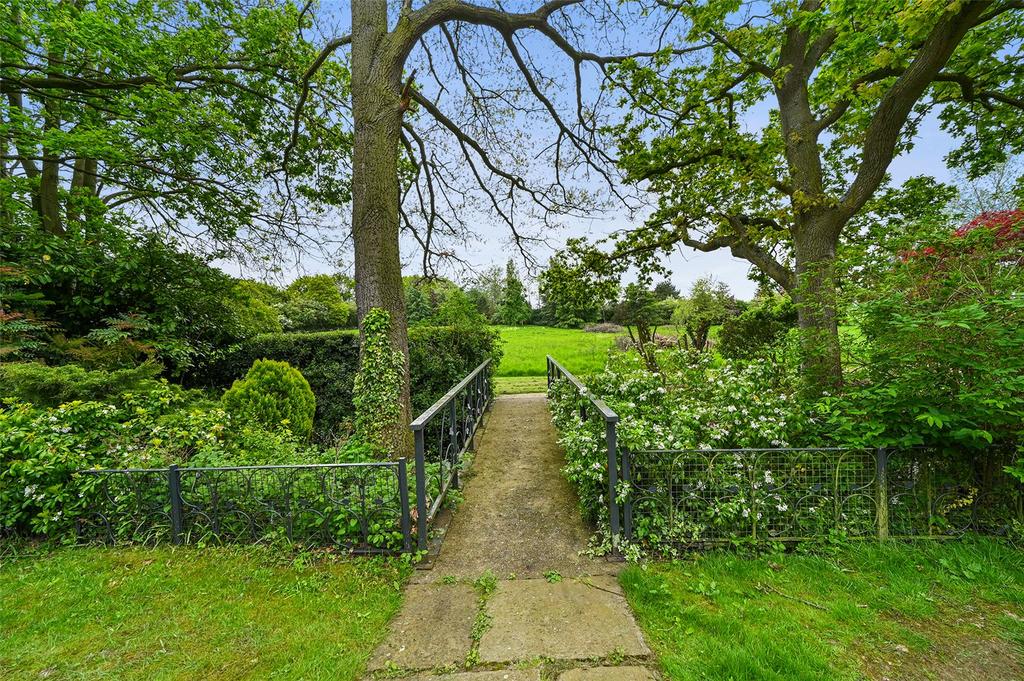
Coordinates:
column 493, row 247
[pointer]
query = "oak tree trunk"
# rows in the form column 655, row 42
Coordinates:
column 815, row 240
column 377, row 112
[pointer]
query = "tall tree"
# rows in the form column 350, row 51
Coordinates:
column 846, row 85
column 175, row 112
column 515, row 308
column 403, row 181
column 708, row 303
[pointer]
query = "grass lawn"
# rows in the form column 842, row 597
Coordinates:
column 526, row 347
column 91, row 613
column 515, row 385
column 926, row 611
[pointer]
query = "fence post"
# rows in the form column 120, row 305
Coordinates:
column 174, row 489
column 611, row 437
column 882, row 491
column 403, row 498
column 627, row 509
column 421, row 491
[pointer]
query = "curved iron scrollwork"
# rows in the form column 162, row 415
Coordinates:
column 443, row 434
column 359, row 507
column 692, row 498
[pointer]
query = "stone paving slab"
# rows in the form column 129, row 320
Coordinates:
column 609, row 674
column 503, row 675
column 433, row 629
column 568, row 620
column 519, row 515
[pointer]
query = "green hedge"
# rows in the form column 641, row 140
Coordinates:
column 439, row 358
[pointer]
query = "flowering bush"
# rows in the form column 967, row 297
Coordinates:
column 695, row 402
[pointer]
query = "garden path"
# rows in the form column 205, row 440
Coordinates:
column 511, row 596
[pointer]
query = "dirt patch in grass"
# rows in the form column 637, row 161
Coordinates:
column 963, row 646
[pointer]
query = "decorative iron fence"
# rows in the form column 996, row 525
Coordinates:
column 692, row 498
column 443, row 434
column 695, row 498
column 360, row 507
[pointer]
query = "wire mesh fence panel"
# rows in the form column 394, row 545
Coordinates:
column 356, row 507
column 933, row 492
column 691, row 498
column 695, row 497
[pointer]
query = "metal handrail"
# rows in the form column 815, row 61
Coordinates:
column 432, row 410
column 557, row 371
column 455, row 437
column 360, row 464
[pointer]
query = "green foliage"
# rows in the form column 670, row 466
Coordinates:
column 315, row 303
column 574, row 292
column 440, row 302
column 376, row 393
column 112, row 297
column 48, row 386
column 759, row 329
column 439, row 358
column 939, row 357
column 41, row 449
column 691, row 402
column 514, row 309
column 275, row 395
column 180, row 109
column 708, row 304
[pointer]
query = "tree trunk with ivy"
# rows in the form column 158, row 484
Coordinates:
column 377, row 112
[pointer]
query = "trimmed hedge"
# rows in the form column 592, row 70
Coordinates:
column 439, row 358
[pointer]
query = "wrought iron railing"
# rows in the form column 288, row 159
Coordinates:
column 443, row 434
column 591, row 406
column 359, row 507
column 690, row 498
column 694, row 498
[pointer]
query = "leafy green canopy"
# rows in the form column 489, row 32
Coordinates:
column 514, row 309
column 106, row 297
column 177, row 111
column 789, row 113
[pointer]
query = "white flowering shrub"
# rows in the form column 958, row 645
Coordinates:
column 697, row 404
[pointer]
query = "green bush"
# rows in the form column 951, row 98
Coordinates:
column 273, row 394
column 760, row 327
column 49, row 386
column 439, row 358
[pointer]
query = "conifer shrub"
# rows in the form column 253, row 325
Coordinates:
column 273, row 394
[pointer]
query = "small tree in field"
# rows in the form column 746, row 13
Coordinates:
column 709, row 303
column 514, row 309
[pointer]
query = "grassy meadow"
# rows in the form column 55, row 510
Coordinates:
column 941, row 610
column 525, row 349
column 189, row 613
